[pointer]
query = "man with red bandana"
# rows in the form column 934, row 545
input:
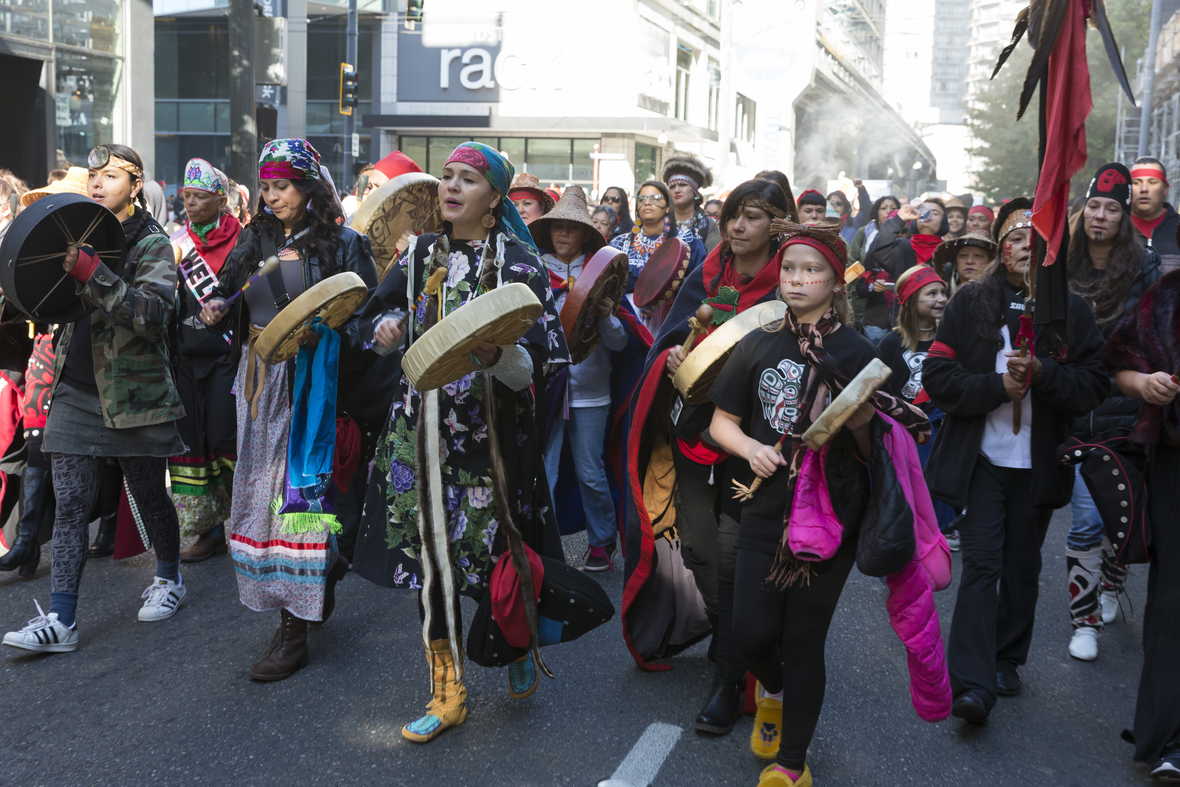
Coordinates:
column 1152, row 216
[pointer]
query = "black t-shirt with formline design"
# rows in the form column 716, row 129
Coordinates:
column 764, row 382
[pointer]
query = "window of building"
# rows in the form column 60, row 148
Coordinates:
column 645, row 162
column 28, row 19
column 86, row 93
column 744, row 117
column 683, row 66
column 714, row 93
column 564, row 161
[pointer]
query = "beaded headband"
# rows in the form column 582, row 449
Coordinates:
column 1017, row 220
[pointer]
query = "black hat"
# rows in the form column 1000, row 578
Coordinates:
column 1112, row 181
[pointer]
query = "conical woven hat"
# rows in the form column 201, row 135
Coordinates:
column 571, row 207
column 76, row 181
column 526, row 182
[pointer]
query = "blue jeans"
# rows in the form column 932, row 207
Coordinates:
column 587, row 430
column 1086, row 530
column 875, row 334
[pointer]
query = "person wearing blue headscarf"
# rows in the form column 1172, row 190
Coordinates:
column 436, row 505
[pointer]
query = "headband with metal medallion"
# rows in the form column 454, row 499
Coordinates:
column 102, row 156
column 1017, row 220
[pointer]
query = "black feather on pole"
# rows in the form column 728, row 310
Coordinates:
column 1102, row 23
column 1017, row 34
column 1045, row 18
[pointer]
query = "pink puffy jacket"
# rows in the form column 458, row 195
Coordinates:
column 815, row 533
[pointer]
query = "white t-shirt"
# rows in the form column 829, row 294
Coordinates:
column 1000, row 446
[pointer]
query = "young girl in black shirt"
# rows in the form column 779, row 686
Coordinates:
column 768, row 393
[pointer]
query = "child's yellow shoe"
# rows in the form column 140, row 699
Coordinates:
column 772, row 778
column 768, row 724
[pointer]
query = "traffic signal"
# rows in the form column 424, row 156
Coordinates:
column 413, row 13
column 349, row 88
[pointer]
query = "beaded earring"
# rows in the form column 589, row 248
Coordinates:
column 131, row 209
column 667, row 224
column 636, row 229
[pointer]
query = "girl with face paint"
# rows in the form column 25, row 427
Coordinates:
column 767, row 395
column 1004, row 471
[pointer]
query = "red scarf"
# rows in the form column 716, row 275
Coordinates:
column 1147, row 227
column 219, row 241
column 750, row 292
column 924, row 246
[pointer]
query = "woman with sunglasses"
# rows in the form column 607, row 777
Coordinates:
column 653, row 205
column 616, row 199
column 113, row 396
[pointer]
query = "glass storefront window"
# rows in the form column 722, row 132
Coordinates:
column 438, row 150
column 28, row 18
column 90, row 24
column 583, row 164
column 415, row 148
column 197, row 117
column 86, row 95
column 548, row 159
column 513, row 147
column 645, row 162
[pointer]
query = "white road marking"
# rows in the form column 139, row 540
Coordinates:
column 643, row 762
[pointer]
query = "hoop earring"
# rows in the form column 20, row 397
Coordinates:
column 488, row 221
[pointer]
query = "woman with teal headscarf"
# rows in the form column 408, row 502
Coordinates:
column 484, row 243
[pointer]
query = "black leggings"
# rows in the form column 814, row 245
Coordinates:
column 780, row 637
column 75, row 484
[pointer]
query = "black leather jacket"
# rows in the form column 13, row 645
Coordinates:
column 353, row 253
column 1117, row 416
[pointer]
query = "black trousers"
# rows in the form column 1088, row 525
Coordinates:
column 1001, row 538
column 780, row 637
column 710, row 548
column 1157, row 709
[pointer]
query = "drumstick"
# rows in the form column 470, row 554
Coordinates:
column 268, row 267
column 1016, row 417
column 743, row 492
column 697, row 325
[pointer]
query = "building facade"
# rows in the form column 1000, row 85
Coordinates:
column 75, row 74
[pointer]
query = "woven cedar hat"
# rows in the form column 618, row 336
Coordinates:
column 687, row 166
column 532, row 187
column 571, row 207
column 76, row 181
column 948, row 250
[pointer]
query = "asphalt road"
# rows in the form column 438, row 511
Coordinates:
column 170, row 703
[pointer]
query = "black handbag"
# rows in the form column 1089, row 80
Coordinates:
column 887, row 542
column 571, row 605
column 1119, row 492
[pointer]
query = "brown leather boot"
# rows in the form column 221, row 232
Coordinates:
column 287, row 653
column 338, row 571
column 206, row 546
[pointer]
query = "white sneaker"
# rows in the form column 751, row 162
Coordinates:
column 1084, row 645
column 44, row 634
column 1110, row 605
column 163, row 597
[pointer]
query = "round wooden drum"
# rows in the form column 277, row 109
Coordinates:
column 35, row 245
column 408, row 203
column 442, row 355
column 333, row 300
column 695, row 376
column 604, row 276
column 662, row 275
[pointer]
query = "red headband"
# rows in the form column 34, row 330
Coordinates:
column 916, row 281
column 822, row 248
column 1149, row 171
column 516, row 194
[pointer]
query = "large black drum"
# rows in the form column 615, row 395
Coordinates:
column 33, row 249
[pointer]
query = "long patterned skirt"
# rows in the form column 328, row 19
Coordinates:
column 202, row 479
column 276, row 567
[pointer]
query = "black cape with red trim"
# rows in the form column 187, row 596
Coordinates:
column 663, row 612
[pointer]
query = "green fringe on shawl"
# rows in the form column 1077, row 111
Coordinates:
column 308, row 522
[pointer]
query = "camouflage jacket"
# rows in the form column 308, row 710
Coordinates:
column 129, row 336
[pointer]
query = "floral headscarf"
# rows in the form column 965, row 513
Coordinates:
column 200, row 174
column 291, row 159
column 499, row 172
